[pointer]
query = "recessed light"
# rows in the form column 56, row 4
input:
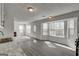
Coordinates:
column 31, row 9
column 50, row 17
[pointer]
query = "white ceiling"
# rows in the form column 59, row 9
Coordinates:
column 20, row 12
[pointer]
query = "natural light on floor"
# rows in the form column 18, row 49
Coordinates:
column 64, row 46
column 49, row 44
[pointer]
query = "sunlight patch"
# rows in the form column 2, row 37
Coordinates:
column 27, row 37
column 64, row 46
column 49, row 44
column 34, row 41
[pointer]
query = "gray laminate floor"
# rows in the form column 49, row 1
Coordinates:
column 45, row 48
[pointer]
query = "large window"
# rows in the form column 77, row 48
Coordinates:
column 56, row 28
column 28, row 28
column 24, row 29
column 34, row 28
column 44, row 28
column 21, row 29
column 71, row 27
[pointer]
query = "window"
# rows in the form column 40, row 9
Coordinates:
column 28, row 28
column 71, row 27
column 34, row 28
column 21, row 29
column 56, row 28
column 45, row 28
column 24, row 29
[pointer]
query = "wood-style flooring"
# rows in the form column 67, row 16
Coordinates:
column 33, row 47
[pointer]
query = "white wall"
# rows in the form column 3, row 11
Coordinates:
column 0, row 14
column 9, row 22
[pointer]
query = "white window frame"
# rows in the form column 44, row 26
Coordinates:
column 55, row 26
column 69, row 34
column 34, row 28
column 43, row 29
column 28, row 29
column 21, row 29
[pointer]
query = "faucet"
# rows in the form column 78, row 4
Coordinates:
column 1, row 33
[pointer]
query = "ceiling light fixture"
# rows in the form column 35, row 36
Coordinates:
column 30, row 9
column 50, row 17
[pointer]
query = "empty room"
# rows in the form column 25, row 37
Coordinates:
column 39, row 29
